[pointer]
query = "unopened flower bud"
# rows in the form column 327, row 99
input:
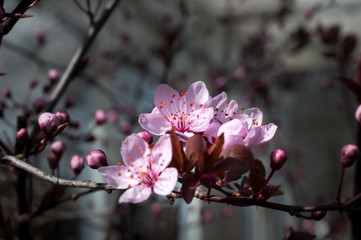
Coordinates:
column 146, row 136
column 39, row 34
column 39, row 105
column 22, row 136
column 58, row 148
column 349, row 154
column 70, row 102
column 318, row 215
column 208, row 180
column 77, row 164
column 100, row 117
column 6, row 93
column 33, row 82
column 53, row 161
column 358, row 114
column 266, row 192
column 48, row 123
column 53, row 75
column 125, row 127
column 278, row 158
column 96, row 159
column 63, row 116
column 156, row 208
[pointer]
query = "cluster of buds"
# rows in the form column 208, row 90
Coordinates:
column 52, row 124
column 57, row 150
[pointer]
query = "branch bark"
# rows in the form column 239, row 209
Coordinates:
column 13, row 161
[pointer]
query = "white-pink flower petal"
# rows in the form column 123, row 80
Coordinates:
column 133, row 148
column 136, row 194
column 166, row 181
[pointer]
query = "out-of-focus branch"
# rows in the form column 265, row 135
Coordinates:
column 13, row 161
column 77, row 59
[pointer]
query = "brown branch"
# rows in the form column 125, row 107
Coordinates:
column 13, row 161
column 293, row 210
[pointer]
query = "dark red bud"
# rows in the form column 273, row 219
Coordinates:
column 278, row 158
column 349, row 154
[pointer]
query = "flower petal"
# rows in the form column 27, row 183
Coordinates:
column 260, row 134
column 198, row 93
column 161, row 154
column 133, row 148
column 254, row 113
column 234, row 132
column 136, row 194
column 166, row 181
column 154, row 122
column 211, row 132
column 219, row 101
column 116, row 176
column 201, row 122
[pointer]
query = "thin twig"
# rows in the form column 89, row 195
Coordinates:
column 11, row 160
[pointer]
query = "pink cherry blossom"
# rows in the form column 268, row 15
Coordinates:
column 186, row 112
column 223, row 112
column 144, row 169
column 248, row 129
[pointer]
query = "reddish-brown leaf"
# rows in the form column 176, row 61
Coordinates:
column 178, row 155
column 195, row 150
column 214, row 151
column 257, row 175
column 189, row 186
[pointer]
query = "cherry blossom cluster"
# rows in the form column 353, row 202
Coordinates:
column 203, row 141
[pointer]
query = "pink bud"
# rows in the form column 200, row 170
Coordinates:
column 96, row 159
column 39, row 34
column 22, row 136
column 226, row 212
column 77, row 164
column 125, row 127
column 208, row 180
column 33, row 82
column 100, row 117
column 53, row 161
column 58, row 148
column 278, row 158
column 39, row 105
column 358, row 114
column 207, row 215
column 112, row 115
column 349, row 154
column 48, row 123
column 6, row 93
column 63, row 116
column 318, row 215
column 220, row 81
column 146, row 136
column 70, row 102
column 239, row 73
column 53, row 75
column 156, row 208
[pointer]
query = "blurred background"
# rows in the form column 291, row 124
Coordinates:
column 283, row 56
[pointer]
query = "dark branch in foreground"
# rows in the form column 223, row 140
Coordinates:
column 293, row 210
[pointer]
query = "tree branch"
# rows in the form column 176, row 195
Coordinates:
column 13, row 161
column 293, row 210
